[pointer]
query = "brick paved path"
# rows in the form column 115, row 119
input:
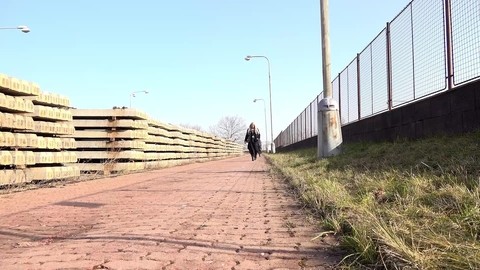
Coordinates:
column 227, row 214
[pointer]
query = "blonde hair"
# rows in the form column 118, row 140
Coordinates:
column 252, row 125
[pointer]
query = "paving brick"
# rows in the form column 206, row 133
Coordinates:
column 224, row 214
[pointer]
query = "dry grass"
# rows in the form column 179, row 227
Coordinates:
column 401, row 205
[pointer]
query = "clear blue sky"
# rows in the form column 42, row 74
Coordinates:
column 189, row 54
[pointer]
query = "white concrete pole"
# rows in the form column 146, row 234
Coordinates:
column 327, row 86
column 329, row 130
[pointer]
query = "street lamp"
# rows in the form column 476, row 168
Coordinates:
column 247, row 58
column 132, row 95
column 265, row 112
column 22, row 28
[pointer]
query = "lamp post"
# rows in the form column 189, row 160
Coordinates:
column 265, row 112
column 22, row 28
column 247, row 58
column 132, row 95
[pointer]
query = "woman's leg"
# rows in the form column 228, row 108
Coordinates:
column 251, row 149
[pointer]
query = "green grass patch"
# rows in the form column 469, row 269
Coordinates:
column 406, row 204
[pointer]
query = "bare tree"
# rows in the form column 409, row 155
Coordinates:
column 193, row 126
column 231, row 128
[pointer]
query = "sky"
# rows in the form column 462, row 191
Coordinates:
column 188, row 54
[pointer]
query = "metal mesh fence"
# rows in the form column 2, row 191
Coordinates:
column 405, row 62
column 344, row 96
column 298, row 134
column 352, row 91
column 366, row 86
column 308, row 127
column 466, row 40
column 312, row 109
column 429, row 48
column 379, row 73
column 402, row 57
column 314, row 116
column 336, row 88
column 297, row 127
column 301, row 126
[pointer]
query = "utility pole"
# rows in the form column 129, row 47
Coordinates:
column 329, row 130
column 327, row 86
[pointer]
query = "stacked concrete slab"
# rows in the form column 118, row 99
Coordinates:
column 167, row 146
column 42, row 138
column 31, row 125
column 122, row 140
column 232, row 148
column 110, row 140
column 170, row 145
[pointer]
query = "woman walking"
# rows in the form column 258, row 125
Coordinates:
column 252, row 137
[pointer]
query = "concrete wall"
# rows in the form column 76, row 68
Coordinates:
column 451, row 112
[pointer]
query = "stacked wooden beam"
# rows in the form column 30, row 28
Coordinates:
column 110, row 140
column 31, row 123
